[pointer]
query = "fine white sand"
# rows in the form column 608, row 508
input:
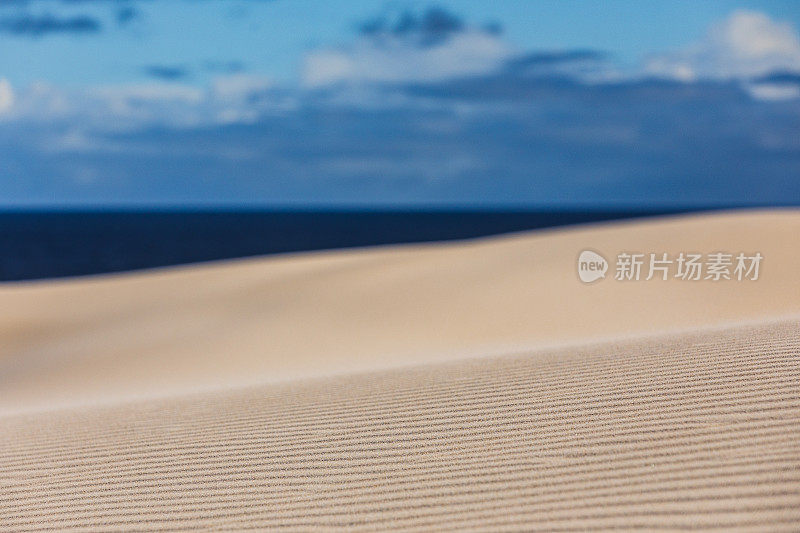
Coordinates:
column 531, row 401
column 229, row 324
column 679, row 432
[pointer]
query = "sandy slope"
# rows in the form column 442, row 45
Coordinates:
column 271, row 319
column 683, row 432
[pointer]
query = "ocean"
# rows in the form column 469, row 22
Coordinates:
column 38, row 244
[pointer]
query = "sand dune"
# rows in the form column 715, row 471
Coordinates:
column 279, row 318
column 692, row 431
column 529, row 401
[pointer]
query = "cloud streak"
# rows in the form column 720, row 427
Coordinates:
column 39, row 25
column 432, row 27
column 554, row 143
column 167, row 72
column 428, row 109
column 431, row 46
column 746, row 44
column 6, row 96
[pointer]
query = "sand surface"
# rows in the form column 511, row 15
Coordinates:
column 474, row 386
column 683, row 432
column 230, row 324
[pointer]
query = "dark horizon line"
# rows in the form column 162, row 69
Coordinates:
column 382, row 208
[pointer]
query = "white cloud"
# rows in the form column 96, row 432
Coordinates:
column 393, row 60
column 432, row 48
column 227, row 100
column 38, row 102
column 773, row 91
column 746, row 44
column 239, row 87
column 6, row 95
column 150, row 92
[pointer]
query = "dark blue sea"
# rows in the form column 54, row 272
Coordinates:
column 35, row 245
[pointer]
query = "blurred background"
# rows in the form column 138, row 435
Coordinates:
column 139, row 133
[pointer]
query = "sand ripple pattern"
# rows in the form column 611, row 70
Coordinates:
column 699, row 431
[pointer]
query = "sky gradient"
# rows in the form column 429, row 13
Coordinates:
column 261, row 103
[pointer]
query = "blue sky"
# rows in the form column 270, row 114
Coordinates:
column 463, row 102
column 271, row 37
